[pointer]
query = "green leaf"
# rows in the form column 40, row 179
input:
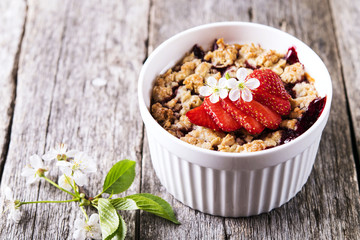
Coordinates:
column 109, row 219
column 155, row 205
column 120, row 177
column 120, row 233
column 124, row 204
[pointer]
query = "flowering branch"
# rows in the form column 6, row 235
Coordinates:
column 75, row 166
column 64, row 201
column 62, row 189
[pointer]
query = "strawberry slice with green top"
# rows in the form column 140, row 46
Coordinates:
column 198, row 116
column 246, row 121
column 270, row 83
column 261, row 113
column 220, row 116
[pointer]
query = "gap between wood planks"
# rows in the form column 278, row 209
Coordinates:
column 14, row 76
column 137, row 216
column 348, row 110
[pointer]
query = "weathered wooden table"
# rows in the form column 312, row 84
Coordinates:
column 50, row 53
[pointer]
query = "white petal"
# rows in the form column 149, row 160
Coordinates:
column 234, row 94
column 31, row 180
column 241, row 73
column 64, row 183
column 90, row 167
column 71, row 153
column 79, row 234
column 65, row 167
column 50, row 155
column 28, row 172
column 211, row 81
column 66, row 170
column 95, row 233
column 79, row 223
column 15, row 215
column 222, row 82
column 252, row 83
column 63, row 164
column 80, row 178
column 232, row 83
column 246, row 95
column 8, row 194
column 61, row 148
column 214, row 98
column 223, row 93
column 205, row 91
column 79, row 155
column 36, row 162
column 94, row 219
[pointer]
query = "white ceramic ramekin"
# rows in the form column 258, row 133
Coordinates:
column 231, row 184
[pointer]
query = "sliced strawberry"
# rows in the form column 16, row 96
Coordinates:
column 248, row 122
column 198, row 116
column 222, row 118
column 279, row 105
column 269, row 82
column 261, row 113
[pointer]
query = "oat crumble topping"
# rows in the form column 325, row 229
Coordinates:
column 177, row 91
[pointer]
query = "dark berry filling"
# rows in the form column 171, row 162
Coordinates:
column 215, row 46
column 291, row 56
column 198, row 52
column 306, row 121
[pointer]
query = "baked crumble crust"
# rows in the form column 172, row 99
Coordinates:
column 177, row 91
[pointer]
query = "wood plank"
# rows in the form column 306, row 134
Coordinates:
column 332, row 187
column 36, row 76
column 318, row 211
column 91, row 40
column 171, row 17
column 11, row 29
column 178, row 16
column 346, row 16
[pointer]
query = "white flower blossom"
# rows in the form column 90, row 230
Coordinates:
column 10, row 204
column 242, row 87
column 215, row 89
column 60, row 152
column 89, row 229
column 34, row 170
column 65, row 182
column 78, row 167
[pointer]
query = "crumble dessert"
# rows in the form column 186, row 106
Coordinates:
column 258, row 98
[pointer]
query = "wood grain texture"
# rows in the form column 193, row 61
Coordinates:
column 68, row 44
column 332, row 187
column 318, row 211
column 58, row 101
column 36, row 73
column 346, row 17
column 10, row 43
column 171, row 17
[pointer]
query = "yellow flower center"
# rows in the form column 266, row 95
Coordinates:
column 241, row 85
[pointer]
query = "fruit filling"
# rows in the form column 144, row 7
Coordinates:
column 236, row 98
